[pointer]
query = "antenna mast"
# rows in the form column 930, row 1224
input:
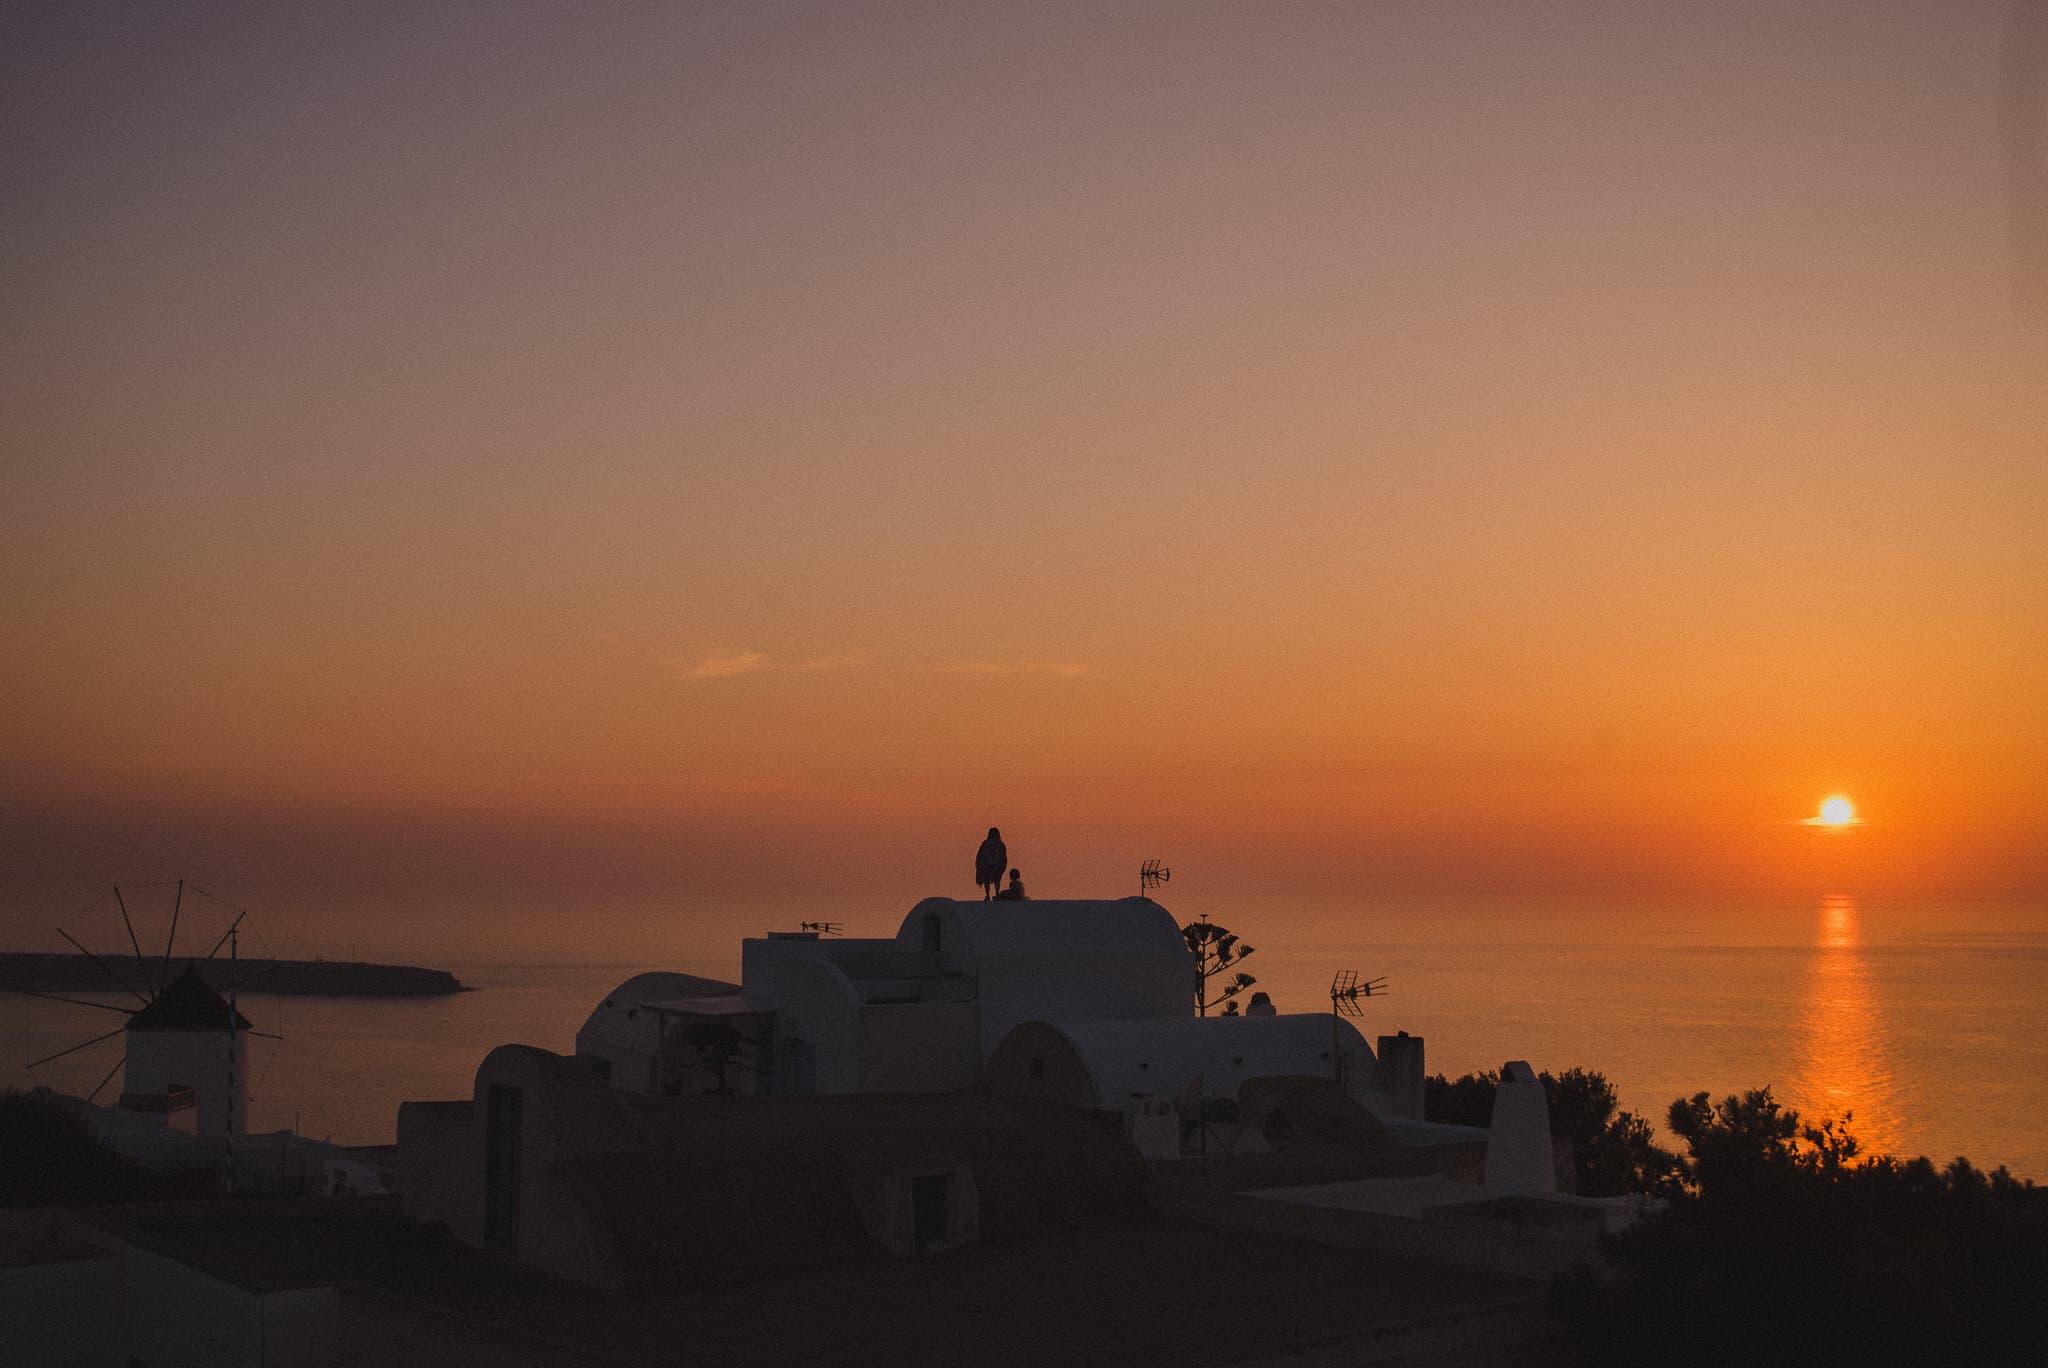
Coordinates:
column 1345, row 991
column 234, row 1015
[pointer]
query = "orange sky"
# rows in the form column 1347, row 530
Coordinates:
column 1336, row 446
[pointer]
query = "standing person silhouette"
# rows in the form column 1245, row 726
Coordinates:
column 989, row 863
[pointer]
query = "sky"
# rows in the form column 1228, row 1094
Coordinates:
column 520, row 470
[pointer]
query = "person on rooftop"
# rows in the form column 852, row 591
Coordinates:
column 989, row 863
column 1015, row 892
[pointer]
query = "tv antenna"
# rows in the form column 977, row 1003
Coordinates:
column 1151, row 875
column 823, row 928
column 1347, row 988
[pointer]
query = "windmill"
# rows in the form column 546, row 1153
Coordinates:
column 180, row 1032
column 1346, row 988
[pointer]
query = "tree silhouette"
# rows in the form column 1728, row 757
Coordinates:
column 1612, row 1150
column 1786, row 1244
column 48, row 1154
column 1216, row 950
column 718, row 1047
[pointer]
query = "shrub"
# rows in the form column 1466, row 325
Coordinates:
column 49, row 1155
column 1612, row 1149
column 1782, row 1247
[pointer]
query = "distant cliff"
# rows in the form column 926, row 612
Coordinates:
column 299, row 978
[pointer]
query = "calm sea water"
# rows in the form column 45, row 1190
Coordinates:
column 1931, row 1039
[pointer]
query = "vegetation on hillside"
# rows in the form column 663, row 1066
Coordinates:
column 1779, row 1241
column 1782, row 1243
column 1612, row 1150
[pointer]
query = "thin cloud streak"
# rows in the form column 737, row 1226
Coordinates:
column 717, row 666
column 730, row 664
column 1058, row 669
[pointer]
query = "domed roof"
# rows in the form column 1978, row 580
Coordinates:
column 188, row 1003
column 1040, row 927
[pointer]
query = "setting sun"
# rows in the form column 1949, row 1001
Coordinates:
column 1835, row 812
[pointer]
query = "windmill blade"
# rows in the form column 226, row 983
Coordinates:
column 75, row 1002
column 76, row 1048
column 225, row 934
column 172, row 939
column 108, row 1079
column 133, row 943
column 102, row 964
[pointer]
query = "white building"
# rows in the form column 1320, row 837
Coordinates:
column 623, row 1036
column 1111, row 1065
column 1105, row 986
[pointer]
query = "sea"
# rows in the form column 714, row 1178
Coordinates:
column 1921, row 1023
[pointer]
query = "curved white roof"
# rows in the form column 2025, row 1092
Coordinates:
column 1161, row 1058
column 620, row 1020
column 1037, row 927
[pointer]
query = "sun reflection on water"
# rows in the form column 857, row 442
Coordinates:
column 1845, row 1064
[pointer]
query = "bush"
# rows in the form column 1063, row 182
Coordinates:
column 1782, row 1248
column 1612, row 1150
column 49, row 1155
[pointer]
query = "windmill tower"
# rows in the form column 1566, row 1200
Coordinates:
column 190, row 1037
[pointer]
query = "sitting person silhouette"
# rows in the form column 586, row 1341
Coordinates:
column 1015, row 892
